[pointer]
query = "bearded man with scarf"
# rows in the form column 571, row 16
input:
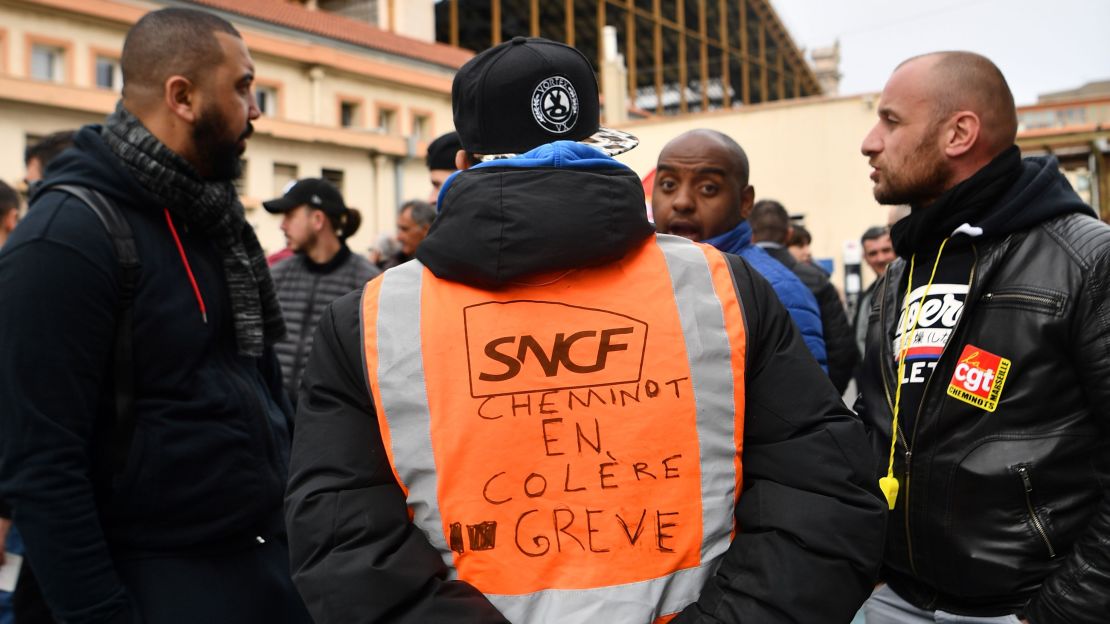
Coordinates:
column 987, row 372
column 189, row 528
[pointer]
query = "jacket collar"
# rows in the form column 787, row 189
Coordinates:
column 733, row 240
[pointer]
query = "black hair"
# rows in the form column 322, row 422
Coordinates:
column 874, row 232
column 769, row 221
column 171, row 42
column 441, row 152
column 799, row 236
column 48, row 147
column 345, row 224
column 9, row 199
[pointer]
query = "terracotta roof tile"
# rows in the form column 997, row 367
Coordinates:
column 340, row 28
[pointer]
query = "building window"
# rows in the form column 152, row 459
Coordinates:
column 348, row 114
column 387, row 120
column 284, row 177
column 267, row 99
column 421, row 127
column 47, row 62
column 108, row 73
column 335, row 176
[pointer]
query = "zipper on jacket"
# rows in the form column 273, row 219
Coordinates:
column 1043, row 301
column 1027, row 483
column 906, row 509
column 306, row 333
column 1018, row 296
column 897, row 432
column 882, row 358
column 925, row 394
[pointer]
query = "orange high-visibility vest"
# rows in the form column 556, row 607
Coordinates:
column 571, row 447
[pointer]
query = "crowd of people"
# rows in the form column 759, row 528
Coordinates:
column 534, row 404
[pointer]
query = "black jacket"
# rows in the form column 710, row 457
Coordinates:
column 1009, row 512
column 209, row 456
column 840, row 342
column 305, row 288
column 357, row 557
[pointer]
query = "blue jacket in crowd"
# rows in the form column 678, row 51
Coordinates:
column 797, row 299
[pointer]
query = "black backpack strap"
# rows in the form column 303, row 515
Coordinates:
column 123, row 429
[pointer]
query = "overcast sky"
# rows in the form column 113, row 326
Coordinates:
column 1040, row 45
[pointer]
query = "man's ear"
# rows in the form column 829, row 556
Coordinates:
column 317, row 218
column 462, row 161
column 961, row 134
column 747, row 202
column 179, row 94
column 11, row 218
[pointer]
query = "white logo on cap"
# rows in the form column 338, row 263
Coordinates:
column 555, row 105
column 315, row 199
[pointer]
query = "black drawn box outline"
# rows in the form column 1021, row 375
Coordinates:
column 470, row 367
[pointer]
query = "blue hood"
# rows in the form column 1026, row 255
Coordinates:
column 795, row 297
column 562, row 205
column 558, row 155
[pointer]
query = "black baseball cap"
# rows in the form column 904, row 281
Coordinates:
column 314, row 192
column 527, row 92
column 441, row 152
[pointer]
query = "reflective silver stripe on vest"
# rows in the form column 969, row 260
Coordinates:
column 405, row 398
column 637, row 603
column 707, row 349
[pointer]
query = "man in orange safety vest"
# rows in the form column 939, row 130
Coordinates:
column 556, row 415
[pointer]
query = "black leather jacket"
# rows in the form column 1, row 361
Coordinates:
column 1007, row 512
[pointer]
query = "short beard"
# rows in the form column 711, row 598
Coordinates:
column 920, row 182
column 220, row 155
column 305, row 245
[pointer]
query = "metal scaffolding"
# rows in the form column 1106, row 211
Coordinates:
column 682, row 55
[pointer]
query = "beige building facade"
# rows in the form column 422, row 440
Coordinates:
column 343, row 99
column 357, row 101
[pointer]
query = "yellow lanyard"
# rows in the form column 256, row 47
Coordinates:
column 889, row 484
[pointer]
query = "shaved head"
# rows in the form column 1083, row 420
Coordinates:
column 701, row 185
column 942, row 117
column 170, row 42
column 965, row 81
column 737, row 158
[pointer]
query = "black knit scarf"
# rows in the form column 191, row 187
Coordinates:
column 213, row 209
column 967, row 202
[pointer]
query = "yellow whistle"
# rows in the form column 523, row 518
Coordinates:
column 889, row 486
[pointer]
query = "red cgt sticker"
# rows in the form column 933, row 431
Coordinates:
column 978, row 378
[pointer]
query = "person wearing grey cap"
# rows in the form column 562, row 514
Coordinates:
column 540, row 418
column 316, row 223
